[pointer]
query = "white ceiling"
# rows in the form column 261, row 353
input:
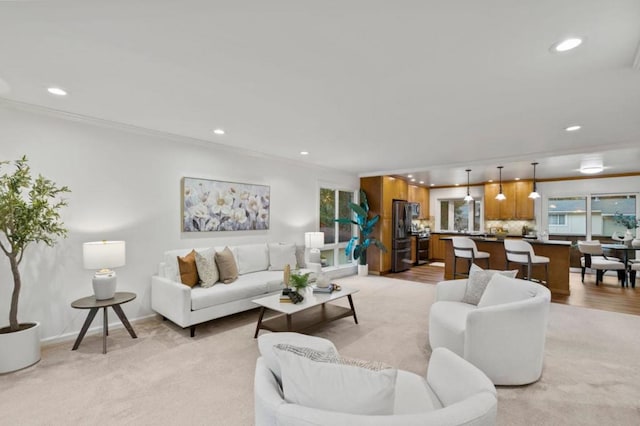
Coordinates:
column 366, row 86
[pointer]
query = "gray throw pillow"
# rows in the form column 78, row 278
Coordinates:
column 207, row 268
column 477, row 283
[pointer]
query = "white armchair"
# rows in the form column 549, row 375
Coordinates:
column 504, row 335
column 454, row 392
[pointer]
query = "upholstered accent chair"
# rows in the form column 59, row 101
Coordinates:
column 503, row 335
column 453, row 392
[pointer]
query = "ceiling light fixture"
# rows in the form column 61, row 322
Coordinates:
column 566, row 44
column 534, row 194
column 468, row 197
column 218, row 132
column 413, row 180
column 591, row 166
column 573, row 128
column 500, row 195
column 304, row 152
column 421, row 181
column 57, row 91
column 433, row 184
column 409, row 176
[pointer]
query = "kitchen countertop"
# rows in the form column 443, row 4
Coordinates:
column 494, row 239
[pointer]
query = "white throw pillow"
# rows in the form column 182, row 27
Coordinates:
column 503, row 289
column 478, row 280
column 335, row 387
column 252, row 258
column 281, row 254
column 207, row 268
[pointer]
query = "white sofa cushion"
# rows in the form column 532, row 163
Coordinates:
column 448, row 322
column 503, row 289
column 246, row 286
column 336, row 387
column 413, row 395
column 252, row 258
column 281, row 254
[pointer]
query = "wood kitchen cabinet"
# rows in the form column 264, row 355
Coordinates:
column 517, row 205
column 381, row 191
column 420, row 195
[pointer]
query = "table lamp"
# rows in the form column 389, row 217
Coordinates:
column 314, row 241
column 103, row 255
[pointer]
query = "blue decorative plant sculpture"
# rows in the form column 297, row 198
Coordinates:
column 359, row 245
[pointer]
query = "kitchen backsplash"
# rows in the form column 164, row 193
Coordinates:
column 513, row 227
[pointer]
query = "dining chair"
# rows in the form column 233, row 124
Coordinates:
column 522, row 253
column 465, row 248
column 633, row 268
column 594, row 258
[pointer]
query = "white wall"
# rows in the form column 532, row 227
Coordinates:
column 126, row 185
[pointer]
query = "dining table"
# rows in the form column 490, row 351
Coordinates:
column 626, row 251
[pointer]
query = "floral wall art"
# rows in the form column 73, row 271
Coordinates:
column 211, row 205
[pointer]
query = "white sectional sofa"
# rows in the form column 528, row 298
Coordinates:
column 257, row 276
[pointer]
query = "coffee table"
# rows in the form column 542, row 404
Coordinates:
column 314, row 310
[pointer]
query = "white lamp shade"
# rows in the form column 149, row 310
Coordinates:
column 103, row 254
column 314, row 240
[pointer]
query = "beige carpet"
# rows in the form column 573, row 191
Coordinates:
column 591, row 375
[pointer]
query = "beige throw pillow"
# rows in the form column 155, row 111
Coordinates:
column 207, row 268
column 227, row 266
column 188, row 269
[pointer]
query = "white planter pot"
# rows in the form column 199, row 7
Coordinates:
column 20, row 349
column 363, row 270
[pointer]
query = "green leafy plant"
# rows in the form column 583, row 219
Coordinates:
column 629, row 222
column 299, row 281
column 359, row 245
column 29, row 213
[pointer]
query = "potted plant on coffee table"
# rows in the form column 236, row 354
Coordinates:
column 29, row 213
column 358, row 245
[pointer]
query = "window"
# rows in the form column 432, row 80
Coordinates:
column 458, row 215
column 557, row 219
column 567, row 216
column 601, row 213
column 606, row 211
column 334, row 203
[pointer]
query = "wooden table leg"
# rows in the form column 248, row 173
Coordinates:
column 352, row 308
column 262, row 308
column 288, row 322
column 105, row 330
column 123, row 319
column 87, row 322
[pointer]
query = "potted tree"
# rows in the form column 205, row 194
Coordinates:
column 29, row 213
column 358, row 245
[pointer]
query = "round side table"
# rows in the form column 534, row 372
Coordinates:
column 93, row 305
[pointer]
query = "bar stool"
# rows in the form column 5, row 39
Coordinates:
column 465, row 248
column 521, row 252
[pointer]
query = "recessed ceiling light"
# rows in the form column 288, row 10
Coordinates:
column 433, row 184
column 409, row 176
column 421, row 181
column 218, row 132
column 57, row 91
column 566, row 44
column 457, row 184
column 413, row 180
column 573, row 128
column 517, row 179
column 304, row 152
column 490, row 180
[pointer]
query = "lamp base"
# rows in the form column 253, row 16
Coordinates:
column 104, row 285
column 314, row 256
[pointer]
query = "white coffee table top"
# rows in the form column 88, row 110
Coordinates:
column 310, row 300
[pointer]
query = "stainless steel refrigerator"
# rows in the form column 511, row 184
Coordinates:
column 401, row 243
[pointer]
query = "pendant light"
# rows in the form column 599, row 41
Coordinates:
column 534, row 194
column 468, row 198
column 500, row 195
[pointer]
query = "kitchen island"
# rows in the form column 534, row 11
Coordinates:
column 556, row 251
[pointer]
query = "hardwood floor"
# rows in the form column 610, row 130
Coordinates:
column 608, row 296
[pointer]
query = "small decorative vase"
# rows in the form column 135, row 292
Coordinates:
column 322, row 281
